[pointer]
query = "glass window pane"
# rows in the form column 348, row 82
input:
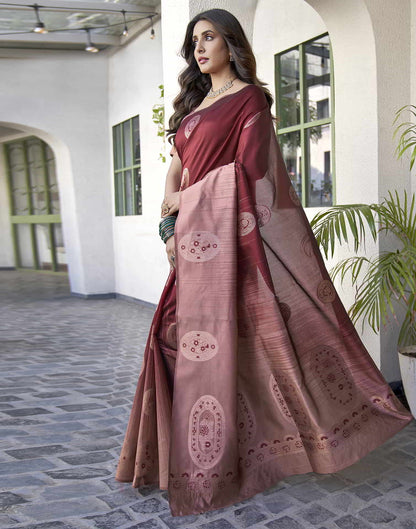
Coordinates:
column 118, row 159
column 289, row 89
column 37, row 176
column 24, row 245
column 61, row 257
column 17, row 169
column 52, row 180
column 318, row 79
column 127, row 144
column 129, row 192
column 43, row 244
column 119, row 194
column 292, row 156
column 136, row 140
column 320, row 177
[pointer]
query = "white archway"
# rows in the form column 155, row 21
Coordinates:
column 67, row 199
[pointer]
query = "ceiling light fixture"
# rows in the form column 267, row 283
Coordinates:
column 125, row 30
column 90, row 46
column 152, row 31
column 40, row 26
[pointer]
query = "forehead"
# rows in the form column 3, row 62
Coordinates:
column 201, row 26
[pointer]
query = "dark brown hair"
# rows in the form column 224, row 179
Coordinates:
column 194, row 84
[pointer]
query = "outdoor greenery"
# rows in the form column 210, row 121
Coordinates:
column 159, row 118
column 390, row 276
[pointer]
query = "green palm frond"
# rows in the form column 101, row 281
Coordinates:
column 407, row 130
column 335, row 220
column 382, row 280
column 389, row 276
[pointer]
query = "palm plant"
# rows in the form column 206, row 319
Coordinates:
column 390, row 276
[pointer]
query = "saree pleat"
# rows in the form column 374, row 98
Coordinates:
column 270, row 377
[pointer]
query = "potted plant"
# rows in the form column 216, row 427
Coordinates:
column 385, row 284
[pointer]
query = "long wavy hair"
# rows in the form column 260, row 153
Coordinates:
column 194, row 84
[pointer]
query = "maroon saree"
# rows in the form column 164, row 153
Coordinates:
column 252, row 369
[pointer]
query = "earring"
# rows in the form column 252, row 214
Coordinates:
column 231, row 58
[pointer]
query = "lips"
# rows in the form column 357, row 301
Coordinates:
column 202, row 60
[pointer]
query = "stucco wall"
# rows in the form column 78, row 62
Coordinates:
column 135, row 71
column 63, row 98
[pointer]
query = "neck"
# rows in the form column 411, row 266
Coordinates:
column 219, row 79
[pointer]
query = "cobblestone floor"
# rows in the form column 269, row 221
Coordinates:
column 69, row 369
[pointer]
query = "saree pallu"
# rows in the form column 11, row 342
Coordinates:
column 271, row 378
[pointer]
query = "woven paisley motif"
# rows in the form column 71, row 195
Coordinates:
column 198, row 346
column 246, row 223
column 199, row 246
column 263, row 214
column 192, row 123
column 330, row 367
column 326, row 291
column 286, row 394
column 206, row 432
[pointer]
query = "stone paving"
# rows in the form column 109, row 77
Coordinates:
column 69, row 369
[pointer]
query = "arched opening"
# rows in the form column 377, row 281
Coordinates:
column 29, row 168
column 33, row 232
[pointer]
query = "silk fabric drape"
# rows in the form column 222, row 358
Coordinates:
column 258, row 372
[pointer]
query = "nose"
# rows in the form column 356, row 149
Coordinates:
column 199, row 47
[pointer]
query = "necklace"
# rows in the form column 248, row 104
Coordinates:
column 213, row 93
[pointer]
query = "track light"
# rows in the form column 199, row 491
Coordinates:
column 40, row 26
column 90, row 46
column 152, row 31
column 125, row 30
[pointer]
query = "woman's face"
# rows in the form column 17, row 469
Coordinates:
column 210, row 49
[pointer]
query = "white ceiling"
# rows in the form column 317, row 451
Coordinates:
column 66, row 21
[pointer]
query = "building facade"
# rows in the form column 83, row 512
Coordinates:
column 79, row 108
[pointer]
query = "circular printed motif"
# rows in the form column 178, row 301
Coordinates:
column 192, row 123
column 206, row 432
column 333, row 373
column 149, row 401
column 246, row 223
column 306, row 244
column 185, row 179
column 326, row 291
column 199, row 246
column 285, row 310
column 198, row 346
column 246, row 421
column 294, row 196
column 263, row 215
column 285, row 392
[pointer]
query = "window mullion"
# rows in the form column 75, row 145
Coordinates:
column 302, row 104
column 332, row 81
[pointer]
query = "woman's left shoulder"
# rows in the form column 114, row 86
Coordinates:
column 255, row 95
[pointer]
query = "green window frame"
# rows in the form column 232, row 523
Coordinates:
column 305, row 106
column 35, row 216
column 127, row 167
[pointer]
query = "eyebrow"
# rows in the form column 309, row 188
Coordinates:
column 204, row 32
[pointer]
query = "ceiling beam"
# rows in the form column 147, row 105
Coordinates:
column 64, row 37
column 61, row 5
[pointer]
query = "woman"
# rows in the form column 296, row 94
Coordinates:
column 252, row 370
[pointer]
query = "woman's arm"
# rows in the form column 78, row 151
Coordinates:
column 173, row 177
column 173, row 180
